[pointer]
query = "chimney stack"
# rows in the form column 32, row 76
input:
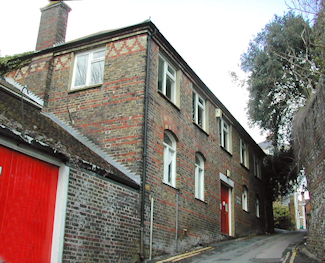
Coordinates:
column 53, row 25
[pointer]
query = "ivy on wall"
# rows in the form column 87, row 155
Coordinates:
column 10, row 63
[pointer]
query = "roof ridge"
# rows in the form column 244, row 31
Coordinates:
column 28, row 93
column 91, row 145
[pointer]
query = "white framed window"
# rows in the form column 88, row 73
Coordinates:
column 169, row 159
column 243, row 153
column 199, row 177
column 198, row 110
column 224, row 134
column 244, row 201
column 88, row 68
column 257, row 167
column 257, row 206
column 167, row 79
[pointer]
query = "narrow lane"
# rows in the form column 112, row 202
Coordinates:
column 267, row 248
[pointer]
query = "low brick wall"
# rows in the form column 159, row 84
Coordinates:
column 102, row 220
column 310, row 152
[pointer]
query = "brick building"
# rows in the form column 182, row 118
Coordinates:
column 130, row 93
column 62, row 199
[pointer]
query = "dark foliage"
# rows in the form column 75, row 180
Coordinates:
column 281, row 74
column 10, row 63
column 280, row 172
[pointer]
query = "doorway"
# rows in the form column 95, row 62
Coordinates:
column 225, row 208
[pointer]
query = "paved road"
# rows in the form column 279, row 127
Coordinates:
column 267, row 248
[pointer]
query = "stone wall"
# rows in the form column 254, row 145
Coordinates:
column 102, row 220
column 309, row 141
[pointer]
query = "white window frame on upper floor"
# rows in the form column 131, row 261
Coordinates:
column 257, row 167
column 169, row 176
column 244, row 155
column 167, row 75
column 87, row 61
column 245, row 198
column 199, row 110
column 225, row 135
column 257, row 205
column 199, row 177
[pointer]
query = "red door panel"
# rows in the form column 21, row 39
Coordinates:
column 28, row 194
column 225, row 209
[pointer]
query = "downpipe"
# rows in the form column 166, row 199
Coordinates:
column 145, row 148
column 151, row 227
column 176, row 223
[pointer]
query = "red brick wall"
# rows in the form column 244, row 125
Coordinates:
column 111, row 114
column 36, row 75
column 200, row 219
column 53, row 25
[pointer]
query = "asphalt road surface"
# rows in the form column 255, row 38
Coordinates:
column 279, row 247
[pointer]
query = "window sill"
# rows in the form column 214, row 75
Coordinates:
column 247, row 212
column 243, row 165
column 258, row 178
column 201, row 128
column 201, row 201
column 223, row 148
column 84, row 88
column 174, row 187
column 170, row 101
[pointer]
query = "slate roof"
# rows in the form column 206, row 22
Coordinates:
column 25, row 121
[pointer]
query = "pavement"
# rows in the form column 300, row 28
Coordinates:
column 282, row 249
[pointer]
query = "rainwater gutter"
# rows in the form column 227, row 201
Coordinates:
column 145, row 146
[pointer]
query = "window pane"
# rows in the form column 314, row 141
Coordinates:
column 194, row 107
column 200, row 117
column 197, row 161
column 171, row 71
column 167, row 140
column 81, row 70
column 169, row 88
column 160, row 74
column 169, row 176
column 199, row 186
column 99, row 54
column 201, row 101
column 225, row 140
column 97, row 71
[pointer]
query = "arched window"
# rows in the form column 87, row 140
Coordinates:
column 199, row 177
column 169, row 159
column 257, row 206
column 245, row 198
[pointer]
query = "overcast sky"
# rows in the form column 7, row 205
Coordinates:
column 210, row 35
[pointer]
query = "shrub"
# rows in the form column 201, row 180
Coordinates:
column 282, row 217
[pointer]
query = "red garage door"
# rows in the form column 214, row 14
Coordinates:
column 27, row 202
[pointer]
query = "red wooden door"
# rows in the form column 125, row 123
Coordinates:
column 224, row 209
column 27, row 203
